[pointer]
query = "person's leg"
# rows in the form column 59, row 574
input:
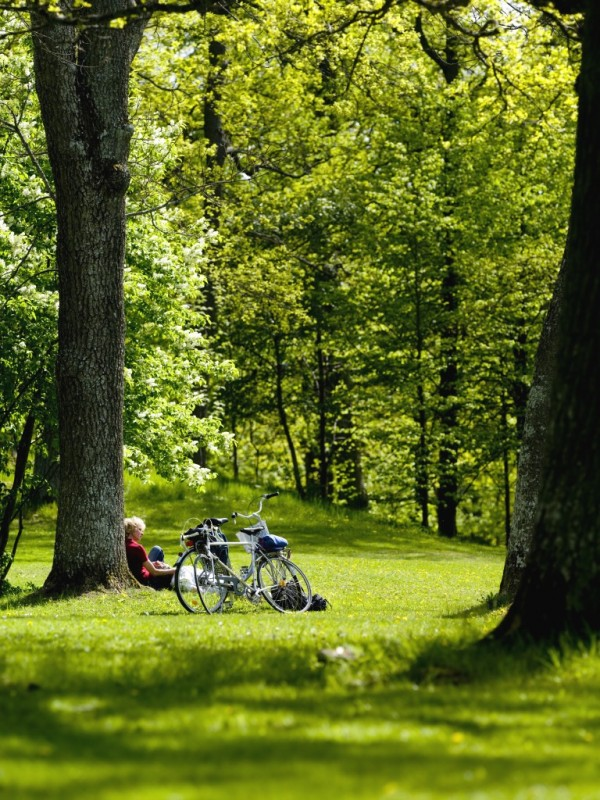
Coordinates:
column 156, row 554
column 159, row 582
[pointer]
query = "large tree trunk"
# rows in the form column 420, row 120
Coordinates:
column 560, row 588
column 532, row 452
column 82, row 80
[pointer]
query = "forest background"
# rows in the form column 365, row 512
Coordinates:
column 340, row 253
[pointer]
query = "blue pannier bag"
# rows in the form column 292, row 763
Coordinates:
column 272, row 544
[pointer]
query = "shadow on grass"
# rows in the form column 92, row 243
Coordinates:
column 34, row 598
column 491, row 603
column 41, row 598
column 485, row 662
column 203, row 733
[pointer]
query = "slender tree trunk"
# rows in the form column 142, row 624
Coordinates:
column 213, row 125
column 45, row 468
column 422, row 461
column 519, row 389
column 8, row 512
column 8, row 562
column 235, row 462
column 447, row 489
column 560, row 587
column 347, row 461
column 214, row 134
column 422, row 454
column 283, row 418
column 82, row 79
column 447, row 416
column 311, row 459
column 324, row 466
column 505, row 465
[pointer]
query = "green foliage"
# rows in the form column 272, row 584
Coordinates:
column 5, row 587
column 96, row 686
column 301, row 189
column 355, row 176
column 28, row 301
column 169, row 362
column 27, row 281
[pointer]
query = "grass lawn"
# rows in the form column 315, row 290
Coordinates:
column 128, row 696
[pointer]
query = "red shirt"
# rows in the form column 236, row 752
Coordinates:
column 136, row 558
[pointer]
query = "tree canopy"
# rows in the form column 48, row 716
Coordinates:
column 344, row 224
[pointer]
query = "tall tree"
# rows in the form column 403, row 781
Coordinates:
column 374, row 196
column 167, row 362
column 559, row 588
column 331, row 186
column 449, row 406
column 82, row 81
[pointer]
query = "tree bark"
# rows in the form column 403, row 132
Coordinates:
column 347, row 459
column 323, row 402
column 447, row 414
column 283, row 417
column 82, row 81
column 532, row 451
column 422, row 453
column 560, row 588
column 422, row 459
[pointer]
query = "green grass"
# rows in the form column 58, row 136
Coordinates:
column 127, row 696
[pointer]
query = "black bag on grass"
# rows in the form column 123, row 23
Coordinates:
column 318, row 603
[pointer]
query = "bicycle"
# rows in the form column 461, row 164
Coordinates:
column 213, row 581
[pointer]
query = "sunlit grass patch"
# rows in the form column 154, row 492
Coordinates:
column 382, row 696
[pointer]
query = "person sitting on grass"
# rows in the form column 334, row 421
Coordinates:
column 148, row 568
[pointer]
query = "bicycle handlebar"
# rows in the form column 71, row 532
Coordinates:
column 263, row 497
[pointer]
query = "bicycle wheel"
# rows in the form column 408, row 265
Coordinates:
column 212, row 593
column 186, row 581
column 283, row 584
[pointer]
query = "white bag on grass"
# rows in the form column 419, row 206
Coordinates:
column 187, row 580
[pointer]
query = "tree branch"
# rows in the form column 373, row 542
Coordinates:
column 15, row 128
column 139, row 8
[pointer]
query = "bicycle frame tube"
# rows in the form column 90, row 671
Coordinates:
column 252, row 573
column 252, row 588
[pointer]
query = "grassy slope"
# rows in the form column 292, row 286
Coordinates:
column 129, row 697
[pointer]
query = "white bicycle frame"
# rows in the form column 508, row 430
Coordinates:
column 250, row 543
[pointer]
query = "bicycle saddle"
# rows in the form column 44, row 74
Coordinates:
column 253, row 530
column 216, row 521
